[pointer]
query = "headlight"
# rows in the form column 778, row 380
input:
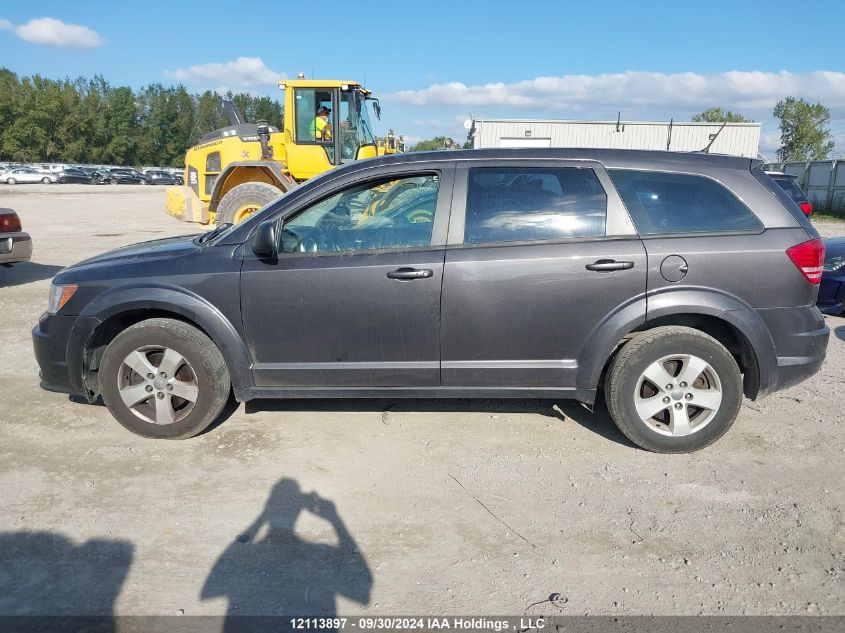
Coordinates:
column 834, row 263
column 59, row 296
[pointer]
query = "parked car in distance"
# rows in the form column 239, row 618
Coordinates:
column 160, row 178
column 27, row 175
column 789, row 185
column 128, row 176
column 832, row 289
column 101, row 176
column 75, row 175
column 667, row 284
column 15, row 245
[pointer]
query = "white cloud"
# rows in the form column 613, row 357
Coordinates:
column 432, row 122
column 243, row 71
column 752, row 92
column 54, row 32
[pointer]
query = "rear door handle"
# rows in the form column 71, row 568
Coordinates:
column 410, row 273
column 607, row 265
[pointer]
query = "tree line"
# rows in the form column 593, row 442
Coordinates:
column 94, row 122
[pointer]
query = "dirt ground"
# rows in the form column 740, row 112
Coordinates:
column 399, row 507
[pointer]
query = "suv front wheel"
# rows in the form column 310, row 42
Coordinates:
column 673, row 389
column 163, row 378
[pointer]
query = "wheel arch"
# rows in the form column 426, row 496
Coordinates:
column 724, row 317
column 128, row 306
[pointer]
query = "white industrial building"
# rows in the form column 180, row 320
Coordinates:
column 739, row 139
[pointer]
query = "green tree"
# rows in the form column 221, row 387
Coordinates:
column 121, row 121
column 718, row 115
column 257, row 109
column 438, row 142
column 209, row 114
column 804, row 132
column 182, row 127
column 90, row 121
column 28, row 135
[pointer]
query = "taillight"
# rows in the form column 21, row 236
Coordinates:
column 808, row 257
column 10, row 223
column 807, row 208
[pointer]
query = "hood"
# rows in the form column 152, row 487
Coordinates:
column 153, row 250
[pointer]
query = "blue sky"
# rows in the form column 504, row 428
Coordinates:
column 435, row 62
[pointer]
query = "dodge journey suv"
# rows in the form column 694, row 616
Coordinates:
column 670, row 285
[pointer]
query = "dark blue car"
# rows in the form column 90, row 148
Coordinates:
column 832, row 289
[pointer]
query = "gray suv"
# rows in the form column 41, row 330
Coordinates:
column 667, row 284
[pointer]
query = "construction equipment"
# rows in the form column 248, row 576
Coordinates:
column 236, row 170
column 391, row 144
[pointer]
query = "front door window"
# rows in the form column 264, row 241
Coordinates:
column 385, row 214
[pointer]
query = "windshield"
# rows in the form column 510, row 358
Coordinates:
column 356, row 128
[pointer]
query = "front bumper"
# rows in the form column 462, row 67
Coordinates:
column 59, row 343
column 15, row 247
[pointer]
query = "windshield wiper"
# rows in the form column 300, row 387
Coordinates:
column 369, row 131
column 202, row 239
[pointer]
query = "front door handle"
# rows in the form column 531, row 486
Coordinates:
column 606, row 265
column 410, row 273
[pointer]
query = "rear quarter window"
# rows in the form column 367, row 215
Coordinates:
column 789, row 186
column 661, row 202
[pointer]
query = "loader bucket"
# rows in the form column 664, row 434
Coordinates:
column 183, row 204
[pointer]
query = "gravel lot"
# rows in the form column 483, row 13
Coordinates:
column 395, row 507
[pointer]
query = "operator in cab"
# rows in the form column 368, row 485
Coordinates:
column 321, row 127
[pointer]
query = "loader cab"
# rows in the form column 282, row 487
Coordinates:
column 347, row 135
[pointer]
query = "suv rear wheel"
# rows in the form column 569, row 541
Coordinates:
column 673, row 390
column 162, row 378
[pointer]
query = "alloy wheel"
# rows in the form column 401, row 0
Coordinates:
column 678, row 395
column 157, row 384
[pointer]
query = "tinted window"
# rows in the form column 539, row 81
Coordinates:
column 680, row 203
column 389, row 214
column 530, row 204
column 789, row 186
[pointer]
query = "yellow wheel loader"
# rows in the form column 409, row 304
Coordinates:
column 391, row 144
column 234, row 171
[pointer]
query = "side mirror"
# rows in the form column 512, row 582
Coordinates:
column 264, row 244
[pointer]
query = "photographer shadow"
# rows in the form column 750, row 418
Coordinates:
column 269, row 570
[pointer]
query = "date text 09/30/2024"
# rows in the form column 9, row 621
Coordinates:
column 419, row 623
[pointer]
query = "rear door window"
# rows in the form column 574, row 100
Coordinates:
column 517, row 204
column 661, row 202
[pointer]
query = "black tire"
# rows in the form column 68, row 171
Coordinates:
column 202, row 359
column 11, row 181
column 631, row 361
column 113, row 181
column 45, row 180
column 259, row 194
